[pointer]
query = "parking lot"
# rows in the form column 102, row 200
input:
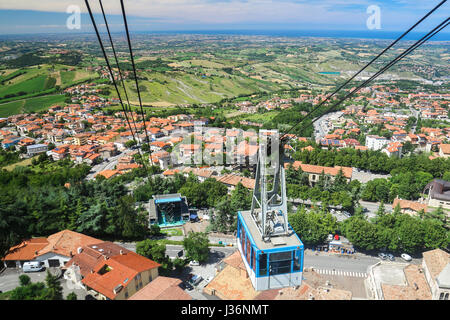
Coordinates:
column 206, row 270
column 9, row 280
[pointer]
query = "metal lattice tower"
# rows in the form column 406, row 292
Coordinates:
column 269, row 207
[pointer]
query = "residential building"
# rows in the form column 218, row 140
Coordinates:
column 374, row 142
column 36, row 149
column 162, row 288
column 53, row 251
column 409, row 207
column 436, row 266
column 314, row 172
column 444, row 150
column 80, row 139
column 232, row 180
column 110, row 272
column 437, row 194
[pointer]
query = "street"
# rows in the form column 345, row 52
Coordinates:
column 106, row 165
column 9, row 280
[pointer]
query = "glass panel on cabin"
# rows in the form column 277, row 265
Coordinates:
column 280, row 262
column 262, row 264
column 297, row 261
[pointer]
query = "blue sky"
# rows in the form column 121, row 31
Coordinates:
column 49, row 16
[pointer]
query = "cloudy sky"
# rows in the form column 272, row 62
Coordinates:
column 43, row 16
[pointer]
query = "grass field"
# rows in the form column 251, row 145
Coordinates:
column 33, row 85
column 30, row 105
column 23, row 163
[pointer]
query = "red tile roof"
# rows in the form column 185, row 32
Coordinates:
column 162, row 288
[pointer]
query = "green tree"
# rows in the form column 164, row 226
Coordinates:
column 151, row 249
column 130, row 143
column 24, row 280
column 54, row 288
column 72, row 296
column 196, row 246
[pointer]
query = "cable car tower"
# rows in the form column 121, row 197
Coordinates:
column 271, row 250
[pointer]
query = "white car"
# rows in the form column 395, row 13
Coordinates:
column 406, row 257
column 194, row 263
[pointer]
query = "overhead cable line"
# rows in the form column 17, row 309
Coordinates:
column 367, row 65
column 112, row 77
column 118, row 66
column 135, row 73
column 418, row 43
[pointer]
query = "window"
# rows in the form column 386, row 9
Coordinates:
column 297, row 257
column 263, row 264
column 254, row 260
column 248, row 251
column 280, row 262
column 126, row 293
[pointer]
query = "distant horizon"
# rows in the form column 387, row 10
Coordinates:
column 288, row 33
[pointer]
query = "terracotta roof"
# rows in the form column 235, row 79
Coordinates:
column 347, row 172
column 436, row 260
column 407, row 204
column 122, row 269
column 27, row 250
column 234, row 180
column 66, row 242
column 445, row 148
column 416, row 289
column 246, row 149
column 205, row 173
column 162, row 288
column 108, row 173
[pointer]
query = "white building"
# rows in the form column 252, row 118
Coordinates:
column 376, row 142
column 36, row 149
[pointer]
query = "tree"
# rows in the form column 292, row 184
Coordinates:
column 72, row 296
column 24, row 280
column 155, row 230
column 31, row 291
column 224, row 217
column 54, row 288
column 130, row 143
column 313, row 226
column 145, row 147
column 196, row 246
column 151, row 249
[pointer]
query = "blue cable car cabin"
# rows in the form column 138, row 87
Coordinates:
column 270, row 264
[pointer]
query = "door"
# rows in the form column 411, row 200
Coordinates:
column 53, row 263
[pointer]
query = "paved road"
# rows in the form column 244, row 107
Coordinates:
column 347, row 263
column 106, row 165
column 9, row 280
column 320, row 126
column 373, row 207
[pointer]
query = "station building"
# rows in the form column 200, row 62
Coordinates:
column 168, row 210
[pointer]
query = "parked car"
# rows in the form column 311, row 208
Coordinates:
column 186, row 286
column 406, row 257
column 33, row 266
column 382, row 256
column 390, row 256
column 196, row 279
column 194, row 263
column 208, row 279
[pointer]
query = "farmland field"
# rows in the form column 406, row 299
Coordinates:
column 30, row 105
